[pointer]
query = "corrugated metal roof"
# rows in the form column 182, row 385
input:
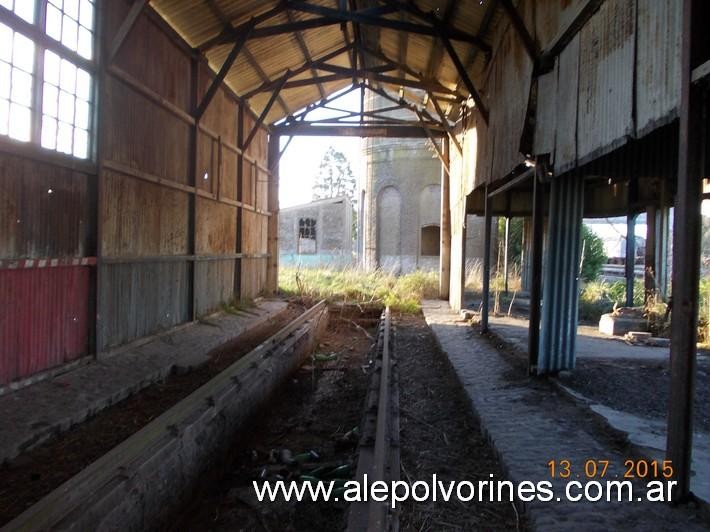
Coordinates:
column 269, row 58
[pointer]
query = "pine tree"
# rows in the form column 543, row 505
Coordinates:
column 335, row 177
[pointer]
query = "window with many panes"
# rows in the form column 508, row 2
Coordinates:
column 46, row 80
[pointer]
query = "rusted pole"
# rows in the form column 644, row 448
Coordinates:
column 272, row 268
column 649, row 269
column 536, row 270
column 445, row 252
column 630, row 263
column 686, row 269
column 486, row 262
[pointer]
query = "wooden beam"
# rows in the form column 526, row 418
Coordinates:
column 125, row 28
column 265, row 112
column 437, row 50
column 231, row 33
column 538, row 236
column 466, row 80
column 269, row 85
column 521, row 29
column 306, row 53
column 444, row 120
column 445, row 225
column 217, row 81
column 686, row 258
column 265, row 78
column 411, row 131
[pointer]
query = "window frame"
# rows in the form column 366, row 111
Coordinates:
column 307, row 226
column 36, row 32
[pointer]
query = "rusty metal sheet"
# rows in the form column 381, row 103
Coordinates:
column 44, row 320
column 44, row 210
column 141, row 299
column 546, row 113
column 214, row 285
column 657, row 63
column 606, row 80
column 566, row 113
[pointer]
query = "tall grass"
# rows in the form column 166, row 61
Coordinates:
column 403, row 293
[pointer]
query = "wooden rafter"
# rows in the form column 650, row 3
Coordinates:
column 437, row 50
column 306, row 53
column 520, row 28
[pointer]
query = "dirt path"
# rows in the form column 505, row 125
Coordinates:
column 439, row 435
column 314, row 412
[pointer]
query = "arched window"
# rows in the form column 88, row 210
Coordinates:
column 431, row 240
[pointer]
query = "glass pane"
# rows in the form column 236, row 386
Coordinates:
column 71, row 8
column 50, row 93
column 23, row 53
column 4, row 116
column 25, row 9
column 83, row 84
column 81, row 116
column 81, row 143
column 51, row 67
column 4, row 80
column 67, row 76
column 84, row 47
column 54, row 23
column 49, row 132
column 6, row 4
column 5, row 43
column 66, row 107
column 58, row 3
column 21, row 87
column 20, row 118
column 69, row 33
column 86, row 15
column 64, row 137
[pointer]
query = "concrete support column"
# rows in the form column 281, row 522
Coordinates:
column 272, row 247
column 686, row 263
column 630, row 262
column 535, row 281
column 445, row 251
column 486, row 262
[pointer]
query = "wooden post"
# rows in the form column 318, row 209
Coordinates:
column 686, row 267
column 445, row 252
column 272, row 268
column 537, row 236
column 630, row 263
column 649, row 270
column 486, row 262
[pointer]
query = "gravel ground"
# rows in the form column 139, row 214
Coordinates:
column 640, row 388
column 439, row 435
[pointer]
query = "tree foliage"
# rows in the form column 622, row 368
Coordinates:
column 594, row 254
column 335, row 176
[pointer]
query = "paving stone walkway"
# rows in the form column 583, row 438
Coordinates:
column 530, row 422
column 30, row 415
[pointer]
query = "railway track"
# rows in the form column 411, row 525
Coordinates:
column 379, row 457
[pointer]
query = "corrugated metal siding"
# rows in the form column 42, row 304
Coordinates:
column 44, row 319
column 546, row 122
column 658, row 63
column 214, row 285
column 606, row 79
column 140, row 299
column 567, row 98
column 558, row 330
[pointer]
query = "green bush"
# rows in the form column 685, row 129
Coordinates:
column 594, row 255
column 403, row 293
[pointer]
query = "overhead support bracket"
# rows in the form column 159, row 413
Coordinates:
column 466, row 80
column 521, row 29
column 217, row 81
column 125, row 28
column 265, row 111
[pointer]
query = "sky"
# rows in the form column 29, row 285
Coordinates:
column 299, row 164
